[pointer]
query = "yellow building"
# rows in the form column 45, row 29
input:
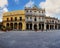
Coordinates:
column 14, row 20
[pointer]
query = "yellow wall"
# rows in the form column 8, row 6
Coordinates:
column 14, row 14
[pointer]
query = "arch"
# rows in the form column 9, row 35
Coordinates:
column 35, row 26
column 15, row 25
column 20, row 26
column 39, row 26
column 11, row 18
column 31, row 26
column 47, row 27
column 42, row 26
column 7, row 24
column 55, row 26
column 11, row 25
column 15, row 18
column 27, row 26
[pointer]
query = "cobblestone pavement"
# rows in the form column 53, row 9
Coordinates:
column 30, row 39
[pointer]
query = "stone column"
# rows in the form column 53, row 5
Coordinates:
column 44, row 26
column 57, row 27
column 32, row 26
column 54, row 26
column 29, row 26
column 49, row 26
column 41, row 26
column 17, row 26
column 37, row 26
column 13, row 26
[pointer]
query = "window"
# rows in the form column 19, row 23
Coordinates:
column 42, row 11
column 20, row 18
column 39, row 17
column 35, row 19
column 30, row 11
column 11, row 19
column 7, row 19
column 15, row 18
column 7, row 24
column 34, row 11
column 26, row 17
column 53, row 21
column 27, row 11
column 39, row 11
column 30, row 17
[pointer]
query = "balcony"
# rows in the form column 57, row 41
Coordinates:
column 35, row 14
column 14, row 20
column 51, row 22
column 28, row 14
column 28, row 20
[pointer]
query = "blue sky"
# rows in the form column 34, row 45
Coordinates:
column 19, row 5
column 52, row 7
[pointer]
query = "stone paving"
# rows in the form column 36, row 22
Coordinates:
column 30, row 39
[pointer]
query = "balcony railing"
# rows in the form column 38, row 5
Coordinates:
column 52, row 22
column 27, row 20
column 35, row 14
column 14, row 20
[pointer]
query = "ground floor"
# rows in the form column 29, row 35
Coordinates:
column 31, row 26
column 15, row 25
column 42, row 26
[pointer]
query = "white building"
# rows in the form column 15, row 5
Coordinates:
column 36, row 19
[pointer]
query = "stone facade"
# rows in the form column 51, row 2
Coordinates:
column 15, row 20
column 36, row 19
column 30, row 19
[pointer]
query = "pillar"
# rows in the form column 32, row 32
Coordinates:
column 17, row 26
column 13, row 26
column 49, row 26
column 32, row 26
column 44, row 26
column 37, row 26
column 57, row 27
column 29, row 26
column 41, row 26
column 54, row 26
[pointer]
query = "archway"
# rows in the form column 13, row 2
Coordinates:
column 15, row 25
column 47, row 27
column 20, row 26
column 55, row 26
column 27, row 26
column 59, row 26
column 39, row 26
column 35, row 26
column 31, row 26
column 11, row 26
column 7, row 24
column 42, row 27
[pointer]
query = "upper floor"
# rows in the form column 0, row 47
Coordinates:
column 34, row 11
column 14, row 16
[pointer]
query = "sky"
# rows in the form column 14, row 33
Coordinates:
column 52, row 7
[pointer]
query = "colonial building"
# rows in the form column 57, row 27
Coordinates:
column 30, row 19
column 52, row 23
column 36, row 19
column 14, row 20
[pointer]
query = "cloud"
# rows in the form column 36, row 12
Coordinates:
column 52, row 7
column 3, row 8
column 30, row 4
column 3, row 3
